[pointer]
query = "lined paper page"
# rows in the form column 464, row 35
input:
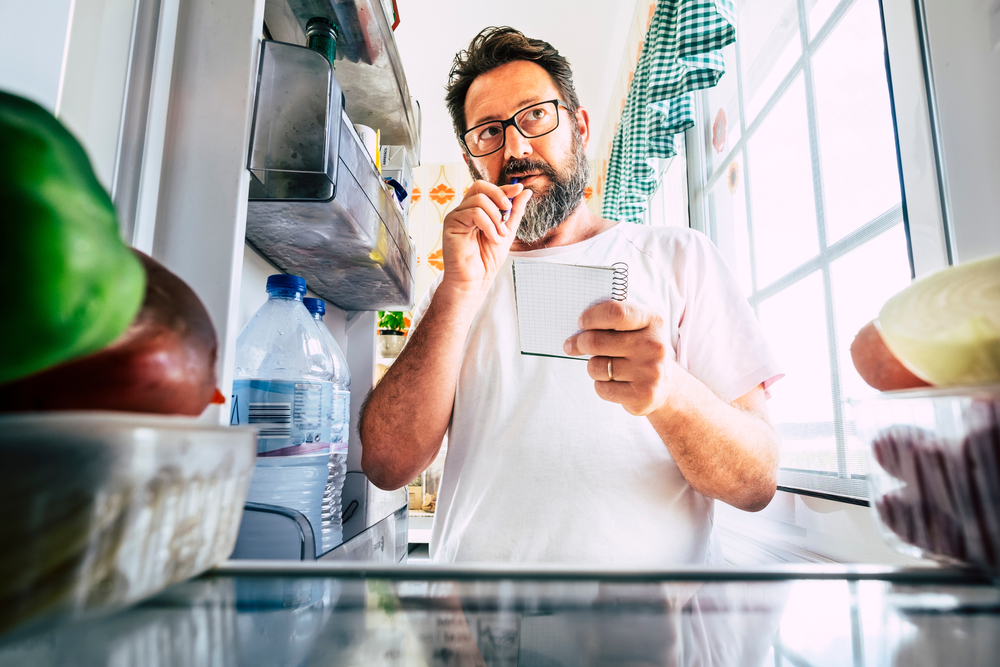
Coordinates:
column 550, row 298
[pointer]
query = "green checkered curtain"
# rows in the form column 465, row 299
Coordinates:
column 682, row 53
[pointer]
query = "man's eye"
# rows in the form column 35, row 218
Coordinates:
column 489, row 132
column 539, row 113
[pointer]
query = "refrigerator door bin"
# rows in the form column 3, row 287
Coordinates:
column 318, row 207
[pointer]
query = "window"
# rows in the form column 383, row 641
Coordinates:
column 794, row 176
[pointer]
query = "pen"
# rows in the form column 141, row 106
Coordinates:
column 506, row 214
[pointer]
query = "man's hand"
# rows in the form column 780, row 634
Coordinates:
column 476, row 238
column 724, row 450
column 636, row 341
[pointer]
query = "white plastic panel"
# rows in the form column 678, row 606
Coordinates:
column 29, row 66
column 201, row 208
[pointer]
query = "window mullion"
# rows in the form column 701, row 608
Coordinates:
column 836, row 391
column 747, row 196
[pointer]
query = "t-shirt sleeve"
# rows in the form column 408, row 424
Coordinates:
column 719, row 339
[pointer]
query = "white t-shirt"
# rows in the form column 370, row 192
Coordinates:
column 540, row 469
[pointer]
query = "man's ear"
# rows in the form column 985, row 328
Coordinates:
column 583, row 120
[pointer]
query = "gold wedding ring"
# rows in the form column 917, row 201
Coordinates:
column 611, row 375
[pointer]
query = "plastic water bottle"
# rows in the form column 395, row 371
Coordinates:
column 282, row 385
column 340, row 431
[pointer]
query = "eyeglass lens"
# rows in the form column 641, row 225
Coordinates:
column 533, row 121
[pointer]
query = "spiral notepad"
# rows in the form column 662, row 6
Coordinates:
column 550, row 298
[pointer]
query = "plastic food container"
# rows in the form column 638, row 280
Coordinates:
column 934, row 471
column 101, row 509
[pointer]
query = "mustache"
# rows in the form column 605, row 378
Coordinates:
column 519, row 166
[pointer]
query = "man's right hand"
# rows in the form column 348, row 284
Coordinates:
column 476, row 239
column 406, row 416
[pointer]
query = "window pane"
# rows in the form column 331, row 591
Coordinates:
column 854, row 123
column 801, row 404
column 727, row 207
column 668, row 206
column 819, row 11
column 769, row 44
column 781, row 188
column 723, row 114
column 863, row 280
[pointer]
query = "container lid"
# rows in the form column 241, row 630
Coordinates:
column 285, row 281
column 315, row 305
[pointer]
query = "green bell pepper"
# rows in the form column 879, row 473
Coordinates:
column 71, row 286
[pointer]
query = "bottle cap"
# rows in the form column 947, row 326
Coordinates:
column 322, row 24
column 285, row 281
column 315, row 305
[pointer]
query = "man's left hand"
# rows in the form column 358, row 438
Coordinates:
column 633, row 342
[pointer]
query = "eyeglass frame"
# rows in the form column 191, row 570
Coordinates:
column 504, row 124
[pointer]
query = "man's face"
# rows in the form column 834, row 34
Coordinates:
column 554, row 166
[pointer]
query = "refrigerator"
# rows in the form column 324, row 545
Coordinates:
column 162, row 95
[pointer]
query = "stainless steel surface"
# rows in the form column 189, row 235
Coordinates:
column 327, row 614
column 368, row 64
column 352, row 250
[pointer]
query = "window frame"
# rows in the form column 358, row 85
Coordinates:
column 927, row 252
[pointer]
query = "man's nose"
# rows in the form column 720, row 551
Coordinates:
column 515, row 145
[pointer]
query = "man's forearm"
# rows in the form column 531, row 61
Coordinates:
column 405, row 417
column 727, row 451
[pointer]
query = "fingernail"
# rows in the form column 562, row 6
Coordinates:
column 506, row 202
column 567, row 348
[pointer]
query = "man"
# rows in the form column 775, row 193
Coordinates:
column 613, row 462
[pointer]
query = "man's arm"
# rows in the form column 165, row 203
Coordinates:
column 405, row 417
column 727, row 451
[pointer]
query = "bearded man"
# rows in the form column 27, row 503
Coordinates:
column 614, row 464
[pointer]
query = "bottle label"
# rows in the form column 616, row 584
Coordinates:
column 293, row 418
column 340, row 421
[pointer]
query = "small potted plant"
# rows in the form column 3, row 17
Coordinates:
column 392, row 327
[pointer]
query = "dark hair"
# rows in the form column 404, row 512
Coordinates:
column 496, row 46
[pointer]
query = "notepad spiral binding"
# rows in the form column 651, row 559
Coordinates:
column 619, row 283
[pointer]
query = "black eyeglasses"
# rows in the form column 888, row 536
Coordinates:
column 531, row 122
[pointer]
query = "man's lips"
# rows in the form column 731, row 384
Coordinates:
column 522, row 178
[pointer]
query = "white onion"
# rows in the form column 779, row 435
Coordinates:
column 945, row 327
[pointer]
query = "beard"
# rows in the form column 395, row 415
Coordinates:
column 548, row 209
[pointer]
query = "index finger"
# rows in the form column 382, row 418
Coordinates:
column 499, row 195
column 616, row 316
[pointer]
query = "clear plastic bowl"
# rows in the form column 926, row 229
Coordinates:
column 101, row 509
column 934, row 471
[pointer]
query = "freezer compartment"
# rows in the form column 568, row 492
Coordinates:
column 934, row 471
column 103, row 509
